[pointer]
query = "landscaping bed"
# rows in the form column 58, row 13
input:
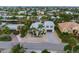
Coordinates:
column 63, row 36
column 5, row 38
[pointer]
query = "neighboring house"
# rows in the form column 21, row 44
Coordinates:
column 69, row 12
column 28, row 17
column 18, row 16
column 2, row 24
column 40, row 12
column 53, row 17
column 68, row 27
column 22, row 12
column 3, row 13
column 14, row 26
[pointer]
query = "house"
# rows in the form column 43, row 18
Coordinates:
column 18, row 16
column 37, row 29
column 36, row 25
column 68, row 27
column 3, row 13
column 22, row 12
column 40, row 12
column 69, row 12
column 49, row 26
column 14, row 26
column 2, row 24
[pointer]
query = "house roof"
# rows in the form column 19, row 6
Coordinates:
column 68, row 25
column 46, row 23
column 35, row 25
column 14, row 26
column 49, row 23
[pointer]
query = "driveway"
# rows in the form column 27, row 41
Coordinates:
column 53, row 38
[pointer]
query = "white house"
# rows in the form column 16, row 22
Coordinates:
column 36, row 25
column 49, row 26
column 37, row 29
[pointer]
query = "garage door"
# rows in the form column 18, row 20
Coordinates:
column 49, row 30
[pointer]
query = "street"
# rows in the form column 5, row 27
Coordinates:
column 34, row 46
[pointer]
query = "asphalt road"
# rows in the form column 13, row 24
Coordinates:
column 53, row 44
column 34, row 46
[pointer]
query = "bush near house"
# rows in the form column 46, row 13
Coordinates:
column 16, row 32
column 63, row 36
column 68, row 49
column 6, row 30
column 5, row 38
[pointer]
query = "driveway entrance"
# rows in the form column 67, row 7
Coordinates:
column 53, row 38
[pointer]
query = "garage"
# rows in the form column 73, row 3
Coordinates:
column 49, row 30
column 49, row 26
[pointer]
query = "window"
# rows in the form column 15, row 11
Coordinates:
column 47, row 26
column 51, row 26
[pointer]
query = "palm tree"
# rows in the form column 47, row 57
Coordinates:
column 18, row 49
column 71, row 45
column 6, row 30
column 44, row 18
column 75, row 32
column 23, row 31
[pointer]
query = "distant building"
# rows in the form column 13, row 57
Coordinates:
column 22, row 12
column 3, row 13
column 14, row 26
column 69, row 12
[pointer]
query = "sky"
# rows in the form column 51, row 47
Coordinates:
column 39, row 2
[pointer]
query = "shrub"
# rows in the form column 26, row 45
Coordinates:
column 16, row 32
column 33, row 52
column 5, row 38
column 45, row 51
column 18, row 49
